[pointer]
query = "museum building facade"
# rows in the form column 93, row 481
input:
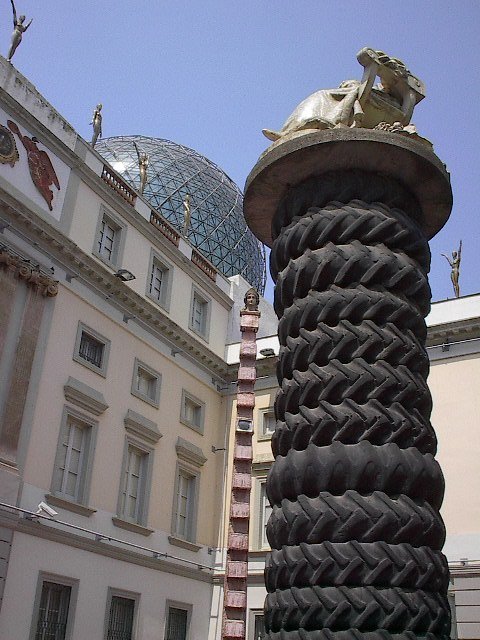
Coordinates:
column 119, row 348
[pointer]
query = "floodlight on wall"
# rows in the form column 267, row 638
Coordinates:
column 125, row 275
column 267, row 352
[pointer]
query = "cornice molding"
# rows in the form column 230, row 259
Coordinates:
column 44, row 532
column 85, row 397
column 189, row 452
column 138, row 425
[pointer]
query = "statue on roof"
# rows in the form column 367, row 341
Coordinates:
column 97, row 124
column 142, row 167
column 358, row 103
column 454, row 263
column 19, row 28
column 186, row 214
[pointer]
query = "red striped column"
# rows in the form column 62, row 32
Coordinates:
column 235, row 585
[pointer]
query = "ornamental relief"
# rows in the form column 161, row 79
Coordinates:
column 30, row 273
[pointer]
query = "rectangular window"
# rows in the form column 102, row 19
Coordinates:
column 146, row 383
column 109, row 238
column 91, row 349
column 258, row 626
column 199, row 314
column 74, row 457
column 184, row 504
column 120, row 618
column 132, row 495
column 268, row 423
column 106, row 239
column 192, row 411
column 177, row 624
column 265, row 511
column 53, row 611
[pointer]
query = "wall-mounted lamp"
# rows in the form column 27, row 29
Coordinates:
column 127, row 317
column 125, row 275
column 70, row 276
column 215, row 449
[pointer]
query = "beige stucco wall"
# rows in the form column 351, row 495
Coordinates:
column 456, row 408
column 116, row 389
column 96, row 574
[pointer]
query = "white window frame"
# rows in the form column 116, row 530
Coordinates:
column 199, row 407
column 193, row 476
column 265, row 414
column 64, row 581
column 143, row 498
column 163, row 299
column 89, row 427
column 119, row 228
column 199, row 297
column 127, row 595
column 171, row 604
column 253, row 615
column 152, row 398
column 263, row 511
column 84, row 329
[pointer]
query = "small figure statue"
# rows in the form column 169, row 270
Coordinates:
column 19, row 29
column 251, row 300
column 358, row 103
column 143, row 167
column 97, row 124
column 41, row 169
column 186, row 214
column 454, row 263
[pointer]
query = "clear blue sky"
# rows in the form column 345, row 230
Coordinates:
column 212, row 74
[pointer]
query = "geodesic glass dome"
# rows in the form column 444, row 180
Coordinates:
column 217, row 227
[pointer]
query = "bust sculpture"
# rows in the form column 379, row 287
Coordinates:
column 358, row 103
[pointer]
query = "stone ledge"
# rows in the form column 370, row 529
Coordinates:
column 189, row 452
column 184, row 544
column 69, row 505
column 131, row 526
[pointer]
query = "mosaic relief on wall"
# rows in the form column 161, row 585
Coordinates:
column 39, row 164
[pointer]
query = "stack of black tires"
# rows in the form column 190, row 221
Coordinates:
column 355, row 531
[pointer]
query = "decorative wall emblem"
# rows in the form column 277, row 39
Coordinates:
column 41, row 168
column 8, row 148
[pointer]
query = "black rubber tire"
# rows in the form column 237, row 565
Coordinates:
column 350, row 422
column 351, row 516
column 346, row 342
column 362, row 467
column 351, row 634
column 356, row 305
column 341, row 224
column 362, row 608
column 344, row 186
column 351, row 265
column 356, row 564
column 358, row 381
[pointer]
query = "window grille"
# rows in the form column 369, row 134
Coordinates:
column 91, row 349
column 53, row 611
column 176, row 624
column 146, row 383
column 120, row 619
